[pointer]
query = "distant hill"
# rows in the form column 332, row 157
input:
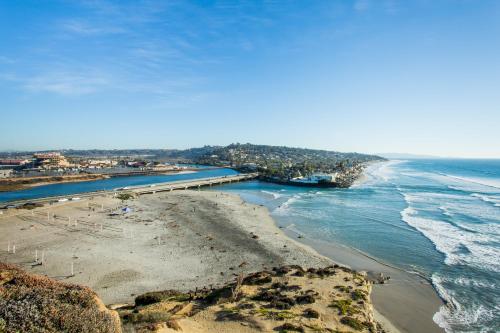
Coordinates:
column 248, row 153
column 278, row 163
column 237, row 154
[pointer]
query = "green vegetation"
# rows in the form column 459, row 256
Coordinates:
column 125, row 196
column 344, row 306
column 161, row 296
column 276, row 315
column 359, row 295
column 231, row 310
column 284, row 162
column 344, row 289
column 146, row 317
column 352, row 322
column 2, row 325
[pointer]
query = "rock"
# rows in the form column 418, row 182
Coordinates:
column 305, row 299
column 280, row 305
column 280, row 271
column 287, row 327
column 174, row 324
column 311, row 313
column 259, row 278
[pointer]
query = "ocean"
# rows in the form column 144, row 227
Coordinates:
column 440, row 218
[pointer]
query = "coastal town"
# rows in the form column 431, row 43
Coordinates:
column 55, row 163
column 149, row 239
column 292, row 166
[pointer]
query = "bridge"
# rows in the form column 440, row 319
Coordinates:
column 188, row 184
column 144, row 189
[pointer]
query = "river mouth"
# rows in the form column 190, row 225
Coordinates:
column 66, row 189
column 435, row 220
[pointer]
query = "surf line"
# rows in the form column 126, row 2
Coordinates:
column 419, row 274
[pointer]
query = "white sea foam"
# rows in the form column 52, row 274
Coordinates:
column 490, row 182
column 453, row 205
column 431, row 197
column 468, row 282
column 451, row 240
column 482, row 185
column 378, row 172
column 284, row 208
column 454, row 314
column 445, row 211
column 489, row 199
column 273, row 194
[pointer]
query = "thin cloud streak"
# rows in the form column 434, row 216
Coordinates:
column 80, row 27
column 68, row 84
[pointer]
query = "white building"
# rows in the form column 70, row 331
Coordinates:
column 5, row 173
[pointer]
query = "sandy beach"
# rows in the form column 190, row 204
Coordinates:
column 181, row 240
column 185, row 240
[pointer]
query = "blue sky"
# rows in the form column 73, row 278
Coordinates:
column 369, row 76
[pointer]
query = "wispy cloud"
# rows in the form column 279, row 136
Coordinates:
column 362, row 5
column 81, row 27
column 161, row 48
column 64, row 83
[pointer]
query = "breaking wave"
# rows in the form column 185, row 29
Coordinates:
column 489, row 199
column 460, row 247
column 273, row 194
column 475, row 317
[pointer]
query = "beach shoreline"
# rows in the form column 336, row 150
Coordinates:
column 407, row 302
column 181, row 240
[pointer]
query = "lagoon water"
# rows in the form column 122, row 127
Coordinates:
column 440, row 218
column 107, row 184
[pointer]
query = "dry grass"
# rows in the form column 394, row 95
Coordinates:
column 286, row 299
column 32, row 303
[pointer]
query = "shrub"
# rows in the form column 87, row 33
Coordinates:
column 352, row 322
column 276, row 315
column 161, row 296
column 31, row 303
column 344, row 306
column 311, row 313
column 2, row 325
column 359, row 295
column 147, row 317
column 125, row 196
column 287, row 327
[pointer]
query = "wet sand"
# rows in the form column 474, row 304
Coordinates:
column 407, row 301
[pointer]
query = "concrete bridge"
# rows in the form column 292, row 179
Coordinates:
column 143, row 189
column 188, row 184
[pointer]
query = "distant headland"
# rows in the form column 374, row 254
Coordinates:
column 278, row 164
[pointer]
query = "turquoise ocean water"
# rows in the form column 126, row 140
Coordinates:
column 438, row 217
